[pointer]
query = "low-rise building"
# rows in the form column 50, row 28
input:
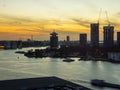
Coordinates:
column 114, row 56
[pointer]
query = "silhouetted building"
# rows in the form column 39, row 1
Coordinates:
column 108, row 36
column 19, row 44
column 118, row 39
column 7, row 44
column 53, row 40
column 95, row 34
column 68, row 38
column 13, row 45
column 114, row 56
column 83, row 39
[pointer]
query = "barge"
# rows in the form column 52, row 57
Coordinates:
column 102, row 83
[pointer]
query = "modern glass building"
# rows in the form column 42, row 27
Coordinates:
column 94, row 34
column 83, row 39
column 118, row 39
column 108, row 36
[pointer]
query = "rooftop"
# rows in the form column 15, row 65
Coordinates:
column 43, row 83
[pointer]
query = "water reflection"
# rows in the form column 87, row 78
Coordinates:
column 77, row 71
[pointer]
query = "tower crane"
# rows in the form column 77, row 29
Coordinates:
column 99, row 15
column 107, row 18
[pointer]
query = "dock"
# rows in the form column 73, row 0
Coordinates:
column 42, row 83
column 102, row 83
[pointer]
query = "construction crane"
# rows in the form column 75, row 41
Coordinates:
column 107, row 18
column 99, row 15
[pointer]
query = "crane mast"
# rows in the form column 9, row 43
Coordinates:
column 99, row 15
column 107, row 18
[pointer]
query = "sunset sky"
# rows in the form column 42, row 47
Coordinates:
column 19, row 19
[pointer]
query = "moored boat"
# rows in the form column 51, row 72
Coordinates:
column 102, row 83
column 68, row 60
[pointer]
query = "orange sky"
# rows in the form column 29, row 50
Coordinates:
column 19, row 19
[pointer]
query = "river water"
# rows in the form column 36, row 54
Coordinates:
column 17, row 66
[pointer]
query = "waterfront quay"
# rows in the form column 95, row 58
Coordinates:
column 83, row 53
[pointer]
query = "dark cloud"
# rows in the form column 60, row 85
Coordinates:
column 43, row 26
column 81, row 22
column 35, row 30
column 11, row 20
column 24, row 19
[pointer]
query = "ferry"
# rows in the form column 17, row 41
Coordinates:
column 68, row 60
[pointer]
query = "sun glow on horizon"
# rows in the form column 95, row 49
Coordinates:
column 23, row 18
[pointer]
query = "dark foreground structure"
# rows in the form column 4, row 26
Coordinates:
column 45, row 83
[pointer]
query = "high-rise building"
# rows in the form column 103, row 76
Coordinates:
column 53, row 40
column 68, row 38
column 108, row 36
column 118, row 39
column 83, row 39
column 95, row 34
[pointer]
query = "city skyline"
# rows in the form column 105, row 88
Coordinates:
column 19, row 19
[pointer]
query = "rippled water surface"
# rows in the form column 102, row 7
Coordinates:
column 14, row 66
